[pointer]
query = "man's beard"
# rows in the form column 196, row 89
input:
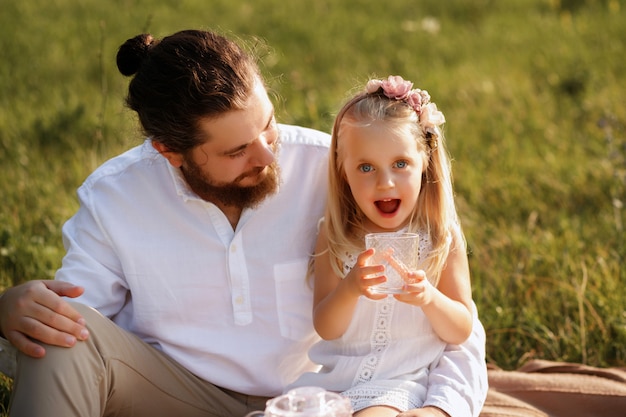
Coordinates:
column 232, row 194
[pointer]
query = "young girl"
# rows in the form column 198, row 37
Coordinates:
column 389, row 172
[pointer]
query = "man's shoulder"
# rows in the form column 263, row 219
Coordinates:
column 298, row 135
column 122, row 163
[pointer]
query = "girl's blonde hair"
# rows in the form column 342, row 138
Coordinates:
column 434, row 211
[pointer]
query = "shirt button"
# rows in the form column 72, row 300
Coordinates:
column 233, row 248
column 239, row 300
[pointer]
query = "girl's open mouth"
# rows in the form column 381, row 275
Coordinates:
column 388, row 206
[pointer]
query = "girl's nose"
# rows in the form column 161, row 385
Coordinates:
column 385, row 180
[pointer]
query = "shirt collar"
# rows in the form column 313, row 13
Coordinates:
column 180, row 184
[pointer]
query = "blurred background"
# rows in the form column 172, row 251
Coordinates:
column 533, row 92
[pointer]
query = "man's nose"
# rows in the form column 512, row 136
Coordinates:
column 263, row 152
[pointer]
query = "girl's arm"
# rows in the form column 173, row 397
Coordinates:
column 449, row 305
column 334, row 298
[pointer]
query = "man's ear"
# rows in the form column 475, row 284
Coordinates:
column 174, row 158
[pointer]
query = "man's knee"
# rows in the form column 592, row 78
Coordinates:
column 57, row 357
column 85, row 310
column 95, row 322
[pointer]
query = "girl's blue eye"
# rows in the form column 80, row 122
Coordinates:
column 365, row 168
column 401, row 164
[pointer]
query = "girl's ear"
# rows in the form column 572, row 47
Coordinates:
column 174, row 158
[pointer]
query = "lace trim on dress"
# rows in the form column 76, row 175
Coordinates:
column 379, row 341
column 380, row 337
column 363, row 397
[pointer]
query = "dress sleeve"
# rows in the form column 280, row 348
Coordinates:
column 458, row 382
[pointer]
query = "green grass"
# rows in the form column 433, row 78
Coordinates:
column 533, row 91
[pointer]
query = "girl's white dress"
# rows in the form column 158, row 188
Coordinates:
column 385, row 355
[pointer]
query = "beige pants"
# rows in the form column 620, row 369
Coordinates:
column 114, row 373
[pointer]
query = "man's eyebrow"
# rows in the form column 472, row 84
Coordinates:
column 235, row 150
column 245, row 145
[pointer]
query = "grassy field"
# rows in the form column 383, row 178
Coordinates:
column 533, row 91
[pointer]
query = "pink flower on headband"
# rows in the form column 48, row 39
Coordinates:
column 431, row 117
column 415, row 100
column 393, row 87
column 397, row 88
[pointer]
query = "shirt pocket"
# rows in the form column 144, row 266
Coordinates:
column 294, row 299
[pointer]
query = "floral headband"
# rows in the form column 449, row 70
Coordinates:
column 397, row 88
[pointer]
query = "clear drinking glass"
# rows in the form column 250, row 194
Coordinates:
column 306, row 402
column 398, row 252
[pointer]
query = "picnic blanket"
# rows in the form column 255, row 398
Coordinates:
column 543, row 388
column 539, row 388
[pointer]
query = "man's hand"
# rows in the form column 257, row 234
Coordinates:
column 424, row 412
column 34, row 311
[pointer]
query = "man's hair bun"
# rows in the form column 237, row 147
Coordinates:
column 133, row 52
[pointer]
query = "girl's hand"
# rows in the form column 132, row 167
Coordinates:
column 335, row 298
column 363, row 276
column 419, row 291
